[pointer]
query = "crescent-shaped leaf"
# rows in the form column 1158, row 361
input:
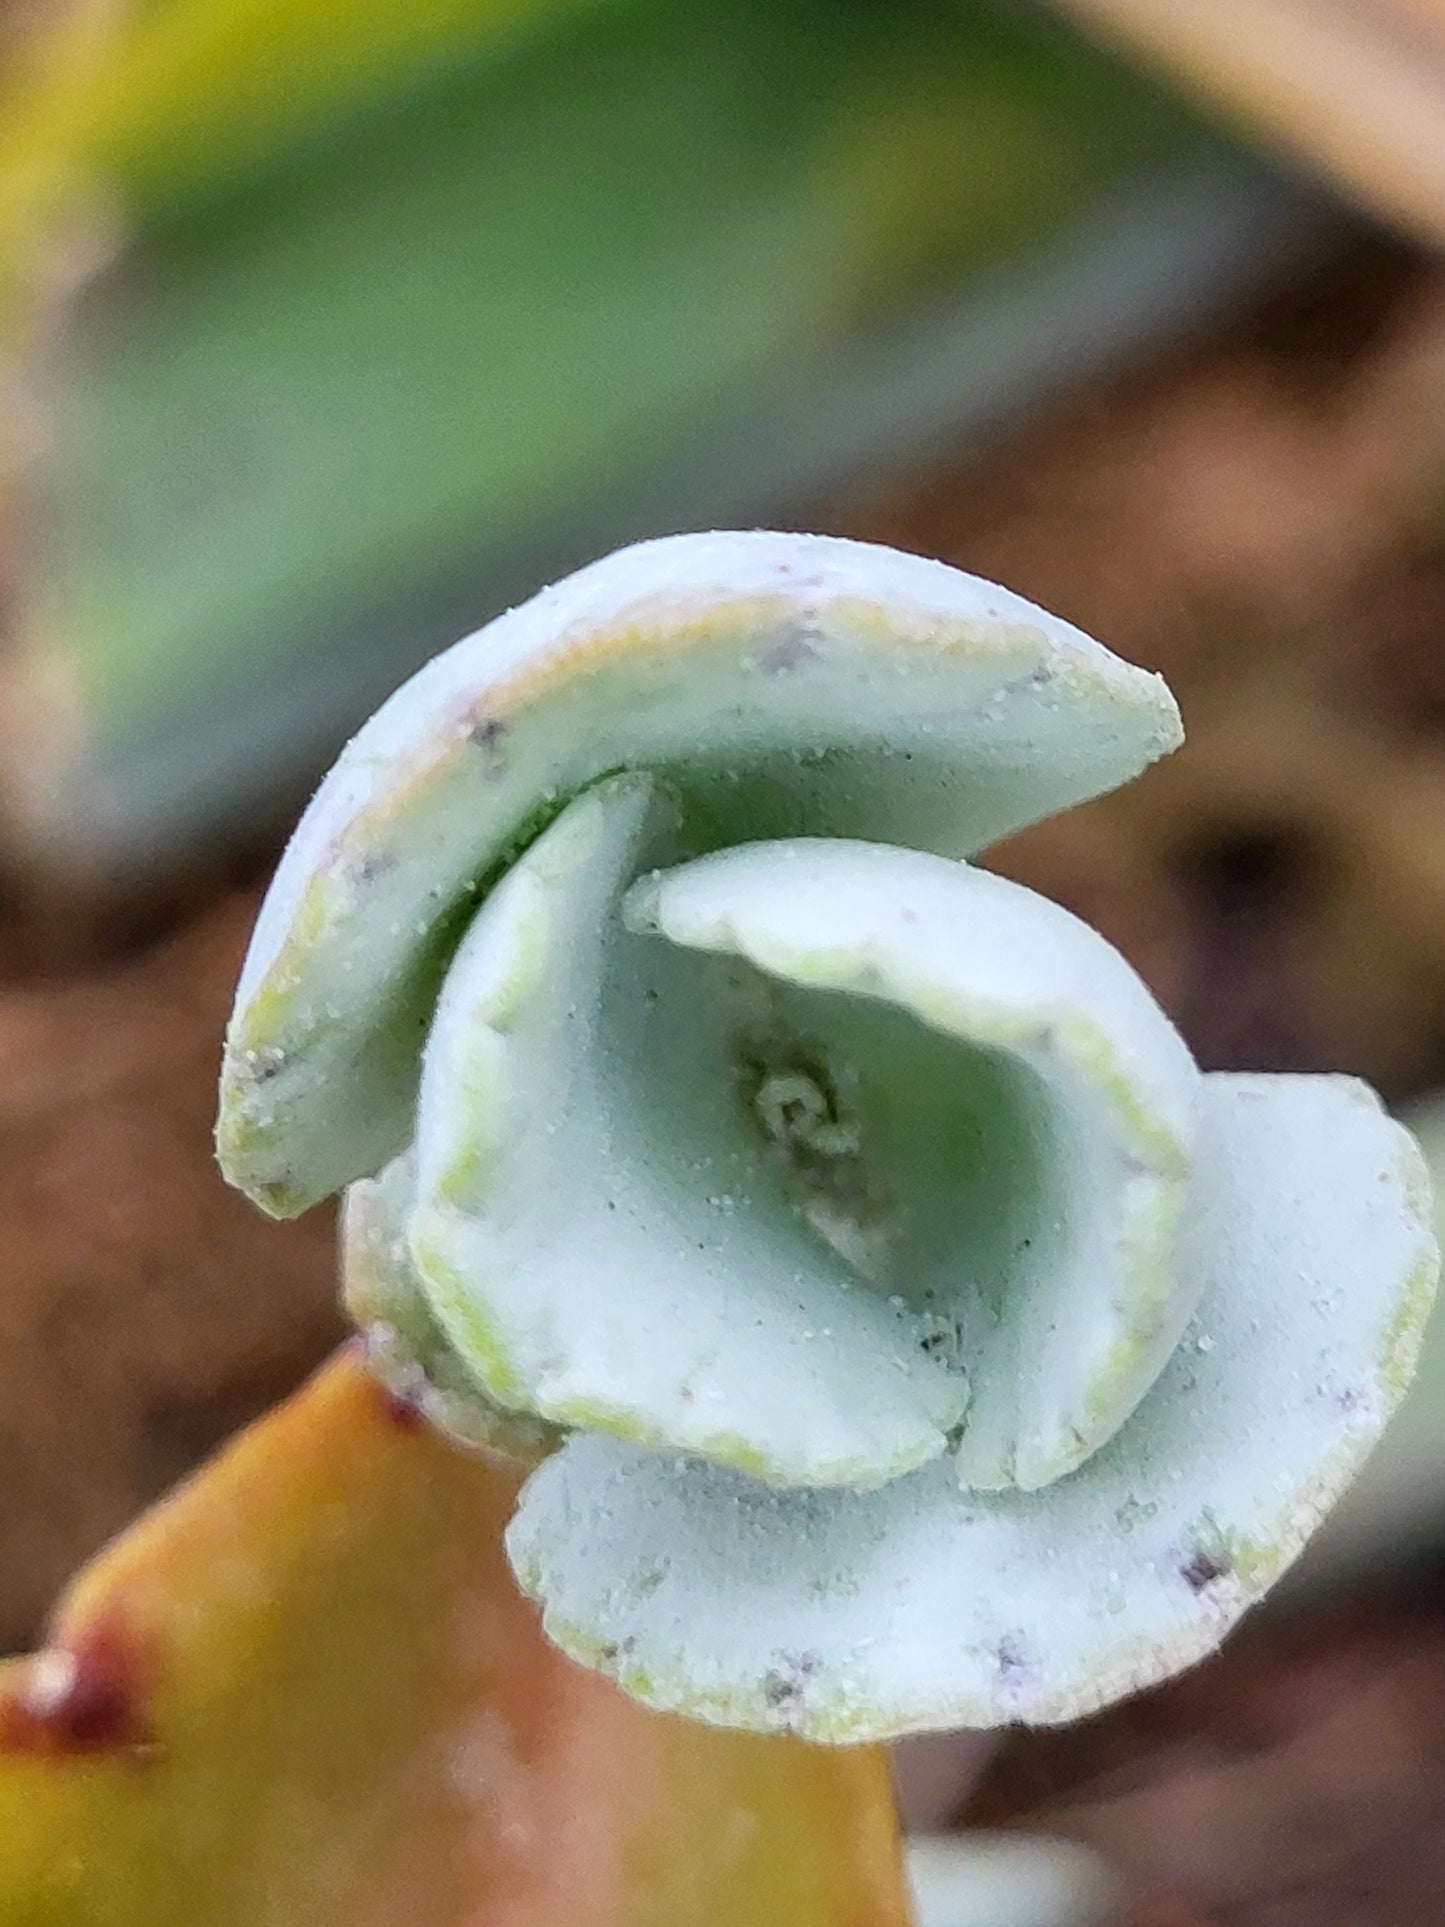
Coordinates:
column 782, row 684
column 1023, row 1121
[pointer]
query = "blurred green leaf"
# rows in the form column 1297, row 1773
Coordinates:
column 388, row 311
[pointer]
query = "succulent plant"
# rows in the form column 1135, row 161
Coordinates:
column 911, row 1334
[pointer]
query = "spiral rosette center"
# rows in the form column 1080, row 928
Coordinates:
column 912, row 1334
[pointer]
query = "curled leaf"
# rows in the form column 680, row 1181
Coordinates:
column 844, row 1205
column 1025, row 1108
column 853, row 1615
column 785, row 684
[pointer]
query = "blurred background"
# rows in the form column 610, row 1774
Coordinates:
column 330, row 327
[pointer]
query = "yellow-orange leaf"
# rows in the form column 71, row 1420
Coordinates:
column 304, row 1690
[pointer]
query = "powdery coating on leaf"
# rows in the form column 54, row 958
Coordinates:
column 788, row 684
column 852, row 1616
column 596, row 1221
column 405, row 1346
column 1072, row 1320
column 872, row 1160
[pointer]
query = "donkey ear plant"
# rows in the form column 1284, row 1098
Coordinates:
column 910, row 1335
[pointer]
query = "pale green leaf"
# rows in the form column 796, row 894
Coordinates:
column 846, row 1615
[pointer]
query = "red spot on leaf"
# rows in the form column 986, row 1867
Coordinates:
column 86, row 1695
column 401, row 1410
column 394, row 1406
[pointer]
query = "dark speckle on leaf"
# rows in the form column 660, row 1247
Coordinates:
column 375, row 865
column 790, row 651
column 1203, row 1567
column 1010, row 1660
column 649, row 1581
column 487, row 732
column 785, row 1685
